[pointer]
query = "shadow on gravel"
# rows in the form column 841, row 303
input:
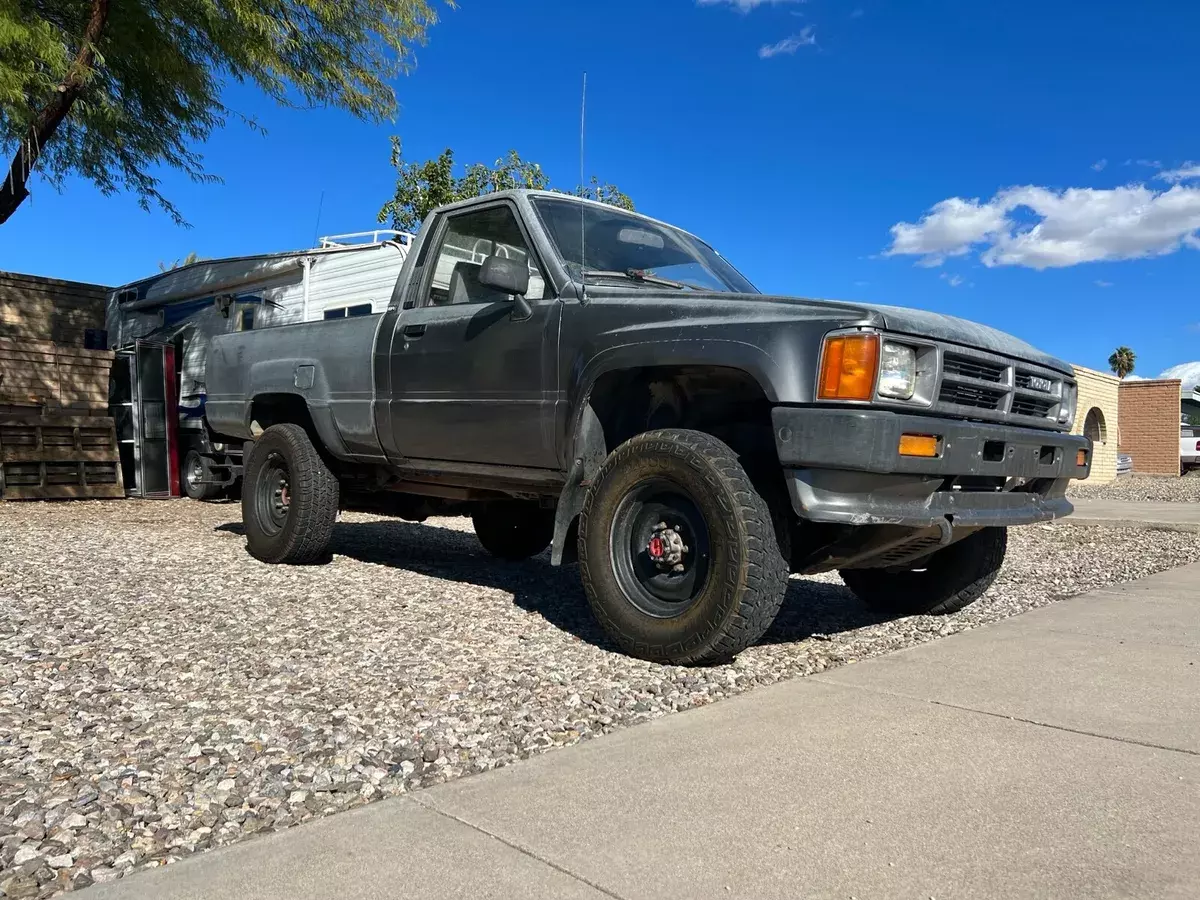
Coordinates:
column 809, row 608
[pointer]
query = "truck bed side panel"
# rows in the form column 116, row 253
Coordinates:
column 326, row 363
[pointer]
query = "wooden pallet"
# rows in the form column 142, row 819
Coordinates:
column 49, row 309
column 59, row 458
column 52, row 378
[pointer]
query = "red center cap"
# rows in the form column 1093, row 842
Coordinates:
column 657, row 548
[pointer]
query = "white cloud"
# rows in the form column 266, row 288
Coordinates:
column 1069, row 227
column 805, row 38
column 949, row 229
column 952, row 280
column 745, row 6
column 1188, row 373
column 1101, row 283
column 1189, row 171
column 1098, row 165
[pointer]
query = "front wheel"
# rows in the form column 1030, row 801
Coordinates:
column 948, row 581
column 289, row 498
column 677, row 550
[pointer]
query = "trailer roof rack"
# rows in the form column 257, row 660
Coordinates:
column 356, row 238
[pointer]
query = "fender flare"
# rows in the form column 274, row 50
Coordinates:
column 584, row 438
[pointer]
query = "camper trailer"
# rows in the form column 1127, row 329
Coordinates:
column 161, row 328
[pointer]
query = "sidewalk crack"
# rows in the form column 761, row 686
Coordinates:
column 995, row 715
column 522, row 850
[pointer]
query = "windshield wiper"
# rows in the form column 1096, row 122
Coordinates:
column 639, row 275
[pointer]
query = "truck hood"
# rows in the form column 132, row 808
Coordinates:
column 922, row 323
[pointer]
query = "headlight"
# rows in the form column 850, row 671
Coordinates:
column 1066, row 409
column 897, row 371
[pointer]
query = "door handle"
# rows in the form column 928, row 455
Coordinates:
column 414, row 331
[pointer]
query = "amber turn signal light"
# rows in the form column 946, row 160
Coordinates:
column 848, row 367
column 918, row 445
column 1081, row 458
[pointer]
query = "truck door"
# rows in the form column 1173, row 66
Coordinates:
column 469, row 382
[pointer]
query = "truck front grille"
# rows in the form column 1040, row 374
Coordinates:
column 970, row 395
column 976, row 384
column 1032, row 406
column 957, row 364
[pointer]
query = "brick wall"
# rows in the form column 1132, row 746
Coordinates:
column 1098, row 418
column 1149, row 421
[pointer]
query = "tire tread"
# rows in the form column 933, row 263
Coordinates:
column 314, row 490
column 766, row 569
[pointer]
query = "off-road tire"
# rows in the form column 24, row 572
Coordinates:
column 513, row 529
column 193, row 489
column 746, row 573
column 948, row 581
column 305, row 535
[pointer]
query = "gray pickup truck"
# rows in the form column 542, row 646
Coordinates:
column 575, row 376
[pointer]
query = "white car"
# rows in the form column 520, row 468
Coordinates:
column 1189, row 447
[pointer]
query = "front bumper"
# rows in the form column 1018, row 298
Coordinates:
column 844, row 466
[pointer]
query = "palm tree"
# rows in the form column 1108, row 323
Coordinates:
column 1122, row 361
column 192, row 257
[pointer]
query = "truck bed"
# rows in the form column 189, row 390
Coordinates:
column 327, row 363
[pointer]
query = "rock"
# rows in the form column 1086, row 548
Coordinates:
column 26, row 853
column 74, row 820
column 87, row 795
column 20, row 887
column 81, row 880
column 62, row 861
column 104, row 874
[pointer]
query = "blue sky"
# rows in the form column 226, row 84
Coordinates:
column 820, row 145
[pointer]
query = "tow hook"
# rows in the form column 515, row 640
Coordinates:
column 666, row 548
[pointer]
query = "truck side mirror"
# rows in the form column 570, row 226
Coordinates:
column 509, row 276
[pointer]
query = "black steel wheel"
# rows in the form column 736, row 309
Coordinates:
column 289, row 498
column 678, row 554
column 659, row 546
column 193, row 474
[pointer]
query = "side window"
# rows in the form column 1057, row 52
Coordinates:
column 469, row 239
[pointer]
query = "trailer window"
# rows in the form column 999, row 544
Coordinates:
column 341, row 312
column 247, row 320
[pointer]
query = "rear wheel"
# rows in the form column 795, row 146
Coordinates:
column 194, row 474
column 289, row 498
column 948, row 581
column 513, row 529
column 678, row 553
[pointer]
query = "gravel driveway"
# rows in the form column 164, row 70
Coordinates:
column 161, row 692
column 1142, row 487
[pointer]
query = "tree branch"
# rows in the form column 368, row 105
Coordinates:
column 13, row 191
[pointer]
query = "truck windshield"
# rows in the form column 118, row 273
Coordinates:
column 628, row 249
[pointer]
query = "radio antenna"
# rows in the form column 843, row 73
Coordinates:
column 317, row 226
column 582, row 194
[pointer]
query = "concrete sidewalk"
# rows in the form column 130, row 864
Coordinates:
column 1055, row 754
column 1137, row 514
